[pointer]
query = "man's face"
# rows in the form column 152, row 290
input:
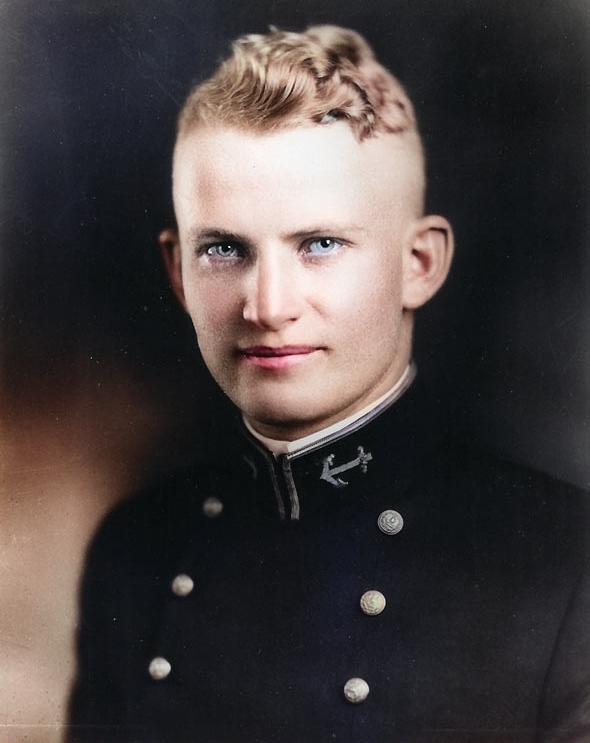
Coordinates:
column 292, row 252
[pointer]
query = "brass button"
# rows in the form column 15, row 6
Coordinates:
column 390, row 522
column 356, row 690
column 373, row 603
column 159, row 668
column 212, row 507
column 182, row 585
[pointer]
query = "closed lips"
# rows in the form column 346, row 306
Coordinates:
column 269, row 352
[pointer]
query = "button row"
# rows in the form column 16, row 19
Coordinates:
column 390, row 522
column 372, row 602
column 356, row 690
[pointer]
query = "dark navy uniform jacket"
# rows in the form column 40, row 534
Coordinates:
column 229, row 603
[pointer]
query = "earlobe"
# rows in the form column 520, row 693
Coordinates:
column 171, row 255
column 427, row 260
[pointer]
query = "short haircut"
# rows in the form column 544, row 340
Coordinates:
column 281, row 79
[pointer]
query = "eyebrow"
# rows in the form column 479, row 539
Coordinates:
column 329, row 230
column 211, row 234
column 197, row 236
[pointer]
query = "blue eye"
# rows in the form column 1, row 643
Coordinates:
column 223, row 250
column 323, row 246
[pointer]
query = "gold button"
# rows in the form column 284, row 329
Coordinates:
column 159, row 668
column 182, row 585
column 356, row 690
column 212, row 507
column 390, row 522
column 373, row 603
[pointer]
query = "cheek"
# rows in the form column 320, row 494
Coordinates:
column 212, row 306
column 369, row 316
column 370, row 290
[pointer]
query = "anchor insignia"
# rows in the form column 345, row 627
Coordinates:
column 329, row 473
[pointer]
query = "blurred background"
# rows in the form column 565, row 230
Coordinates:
column 101, row 385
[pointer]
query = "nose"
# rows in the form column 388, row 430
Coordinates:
column 272, row 298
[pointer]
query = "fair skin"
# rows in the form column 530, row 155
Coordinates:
column 301, row 256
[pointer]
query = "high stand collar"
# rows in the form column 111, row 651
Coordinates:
column 383, row 449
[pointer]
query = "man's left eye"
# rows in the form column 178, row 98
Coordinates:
column 222, row 250
column 323, row 246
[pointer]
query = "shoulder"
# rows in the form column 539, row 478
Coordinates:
column 511, row 482
column 147, row 531
column 512, row 504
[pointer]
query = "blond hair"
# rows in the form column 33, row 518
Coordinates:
column 283, row 79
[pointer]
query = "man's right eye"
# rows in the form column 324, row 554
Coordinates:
column 223, row 250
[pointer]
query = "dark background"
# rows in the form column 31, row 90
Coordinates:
column 89, row 91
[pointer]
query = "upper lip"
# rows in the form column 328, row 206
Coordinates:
column 276, row 350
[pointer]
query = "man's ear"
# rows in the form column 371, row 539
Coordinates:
column 170, row 249
column 427, row 260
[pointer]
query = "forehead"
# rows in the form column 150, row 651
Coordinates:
column 310, row 167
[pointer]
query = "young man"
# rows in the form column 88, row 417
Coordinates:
column 341, row 571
